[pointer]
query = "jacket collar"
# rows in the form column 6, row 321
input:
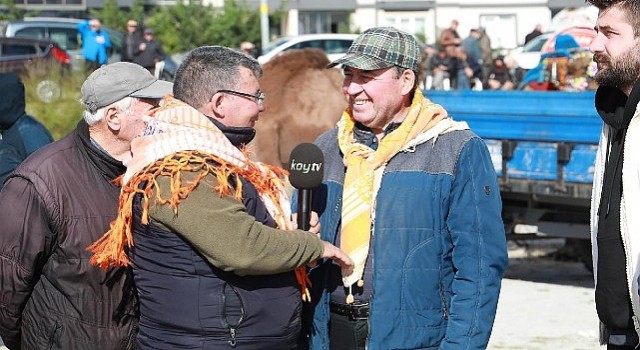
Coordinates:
column 238, row 136
column 614, row 107
column 108, row 166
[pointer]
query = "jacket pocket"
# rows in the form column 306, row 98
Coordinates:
column 233, row 311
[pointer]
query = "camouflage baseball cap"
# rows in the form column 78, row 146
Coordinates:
column 382, row 47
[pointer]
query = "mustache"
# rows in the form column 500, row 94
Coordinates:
column 600, row 58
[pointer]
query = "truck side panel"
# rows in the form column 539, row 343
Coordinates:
column 547, row 142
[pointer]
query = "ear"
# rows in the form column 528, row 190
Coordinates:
column 112, row 118
column 217, row 105
column 408, row 80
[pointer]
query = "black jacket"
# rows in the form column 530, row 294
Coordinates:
column 187, row 303
column 54, row 206
column 150, row 55
column 130, row 46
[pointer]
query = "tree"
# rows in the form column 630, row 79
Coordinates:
column 183, row 26
column 114, row 17
column 190, row 24
column 12, row 12
column 236, row 23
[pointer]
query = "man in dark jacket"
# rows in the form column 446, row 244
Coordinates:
column 54, row 205
column 149, row 52
column 20, row 134
column 131, row 41
column 536, row 32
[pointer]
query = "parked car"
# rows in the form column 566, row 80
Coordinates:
column 528, row 56
column 34, row 57
column 334, row 45
column 64, row 32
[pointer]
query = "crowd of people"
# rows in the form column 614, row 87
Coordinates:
column 150, row 227
column 453, row 63
column 464, row 64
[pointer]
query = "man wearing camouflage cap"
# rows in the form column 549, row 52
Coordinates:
column 411, row 196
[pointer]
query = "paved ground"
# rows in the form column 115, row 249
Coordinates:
column 544, row 303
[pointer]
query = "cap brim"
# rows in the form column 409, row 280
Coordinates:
column 158, row 89
column 360, row 61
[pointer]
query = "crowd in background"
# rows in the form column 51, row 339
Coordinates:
column 471, row 63
column 140, row 46
column 466, row 63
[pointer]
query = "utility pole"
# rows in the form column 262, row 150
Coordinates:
column 264, row 23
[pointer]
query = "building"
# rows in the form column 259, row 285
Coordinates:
column 506, row 21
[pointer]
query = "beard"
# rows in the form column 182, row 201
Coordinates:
column 621, row 72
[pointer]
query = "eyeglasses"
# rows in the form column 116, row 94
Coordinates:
column 257, row 98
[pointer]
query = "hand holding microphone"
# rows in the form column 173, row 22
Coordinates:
column 305, row 174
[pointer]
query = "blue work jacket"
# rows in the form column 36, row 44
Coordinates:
column 438, row 244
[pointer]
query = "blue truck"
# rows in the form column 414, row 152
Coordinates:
column 543, row 146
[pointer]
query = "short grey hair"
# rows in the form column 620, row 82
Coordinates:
column 208, row 69
column 123, row 105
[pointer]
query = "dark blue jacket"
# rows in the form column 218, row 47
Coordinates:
column 20, row 134
column 438, row 242
column 215, row 309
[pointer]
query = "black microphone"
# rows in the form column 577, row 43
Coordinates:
column 305, row 174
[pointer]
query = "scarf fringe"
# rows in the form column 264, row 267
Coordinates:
column 111, row 248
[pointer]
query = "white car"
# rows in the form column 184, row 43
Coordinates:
column 334, row 45
column 528, row 56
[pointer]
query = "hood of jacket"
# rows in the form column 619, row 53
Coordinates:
column 12, row 101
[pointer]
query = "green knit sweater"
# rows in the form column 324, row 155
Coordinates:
column 230, row 238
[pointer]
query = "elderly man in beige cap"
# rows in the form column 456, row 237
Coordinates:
column 55, row 205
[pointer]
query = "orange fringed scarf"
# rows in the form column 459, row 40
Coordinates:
column 183, row 139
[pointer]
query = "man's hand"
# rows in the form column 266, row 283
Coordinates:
column 314, row 222
column 339, row 257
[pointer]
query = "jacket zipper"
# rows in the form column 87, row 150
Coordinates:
column 232, row 328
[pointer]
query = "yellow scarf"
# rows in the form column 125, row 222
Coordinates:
column 179, row 138
column 364, row 165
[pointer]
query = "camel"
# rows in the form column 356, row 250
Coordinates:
column 303, row 99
